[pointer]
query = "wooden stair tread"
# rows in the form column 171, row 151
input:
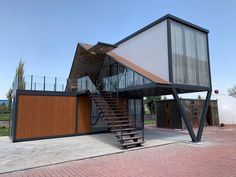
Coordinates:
column 119, row 125
column 114, row 111
column 131, row 143
column 126, row 133
column 110, row 113
column 115, row 119
column 111, row 107
column 129, row 138
column 124, row 129
column 111, row 117
column 118, row 121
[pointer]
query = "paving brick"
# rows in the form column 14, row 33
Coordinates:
column 216, row 157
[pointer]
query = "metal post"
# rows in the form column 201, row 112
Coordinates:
column 183, row 114
column 203, row 115
column 35, row 86
column 55, row 85
column 31, row 82
column 86, row 84
column 121, row 132
column 133, row 79
column 142, row 120
column 125, row 77
column 43, row 83
column 135, row 120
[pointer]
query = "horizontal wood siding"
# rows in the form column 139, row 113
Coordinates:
column 84, row 114
column 42, row 116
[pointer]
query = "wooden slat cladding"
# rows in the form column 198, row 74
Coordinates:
column 43, row 116
column 84, row 114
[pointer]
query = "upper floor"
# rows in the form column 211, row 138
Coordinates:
column 169, row 51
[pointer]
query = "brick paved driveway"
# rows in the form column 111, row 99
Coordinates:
column 214, row 158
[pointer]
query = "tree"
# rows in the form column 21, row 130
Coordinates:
column 232, row 91
column 21, row 82
column 199, row 97
column 20, row 75
column 150, row 103
column 9, row 97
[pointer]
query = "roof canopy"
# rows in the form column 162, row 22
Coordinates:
column 88, row 60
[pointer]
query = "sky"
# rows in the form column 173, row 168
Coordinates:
column 44, row 33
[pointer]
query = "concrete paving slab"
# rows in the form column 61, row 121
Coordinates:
column 30, row 154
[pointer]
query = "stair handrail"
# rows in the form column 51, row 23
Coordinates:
column 89, row 85
column 97, row 118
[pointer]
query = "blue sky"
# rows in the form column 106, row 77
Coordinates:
column 44, row 33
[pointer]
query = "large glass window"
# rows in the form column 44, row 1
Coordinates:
column 115, row 76
column 189, row 55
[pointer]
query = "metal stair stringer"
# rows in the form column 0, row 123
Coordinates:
column 115, row 114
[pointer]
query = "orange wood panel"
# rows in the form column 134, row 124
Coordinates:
column 42, row 116
column 84, row 114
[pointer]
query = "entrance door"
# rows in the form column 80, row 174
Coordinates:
column 84, row 115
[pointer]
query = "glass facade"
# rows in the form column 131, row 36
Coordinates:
column 135, row 113
column 115, row 76
column 189, row 55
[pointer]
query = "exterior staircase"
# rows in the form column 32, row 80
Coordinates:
column 115, row 113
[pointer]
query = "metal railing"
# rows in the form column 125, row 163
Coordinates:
column 86, row 84
column 42, row 83
column 123, row 80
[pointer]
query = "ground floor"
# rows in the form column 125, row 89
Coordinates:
column 165, row 153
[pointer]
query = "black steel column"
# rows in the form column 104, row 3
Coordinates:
column 44, row 78
column 31, row 83
column 76, row 114
column 183, row 114
column 203, row 115
column 142, row 120
column 15, row 117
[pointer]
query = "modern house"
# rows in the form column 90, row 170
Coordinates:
column 107, row 83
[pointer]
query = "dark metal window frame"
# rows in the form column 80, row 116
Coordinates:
column 170, row 60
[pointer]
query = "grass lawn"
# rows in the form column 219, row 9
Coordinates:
column 4, row 131
column 149, row 122
column 4, row 116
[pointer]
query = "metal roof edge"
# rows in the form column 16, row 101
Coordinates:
column 168, row 16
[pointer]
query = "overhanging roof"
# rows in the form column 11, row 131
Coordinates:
column 88, row 59
column 168, row 16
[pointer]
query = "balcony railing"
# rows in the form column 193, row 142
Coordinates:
column 85, row 84
column 126, row 79
column 40, row 83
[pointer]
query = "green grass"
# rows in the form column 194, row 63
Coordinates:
column 147, row 111
column 4, row 116
column 4, row 131
column 149, row 122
